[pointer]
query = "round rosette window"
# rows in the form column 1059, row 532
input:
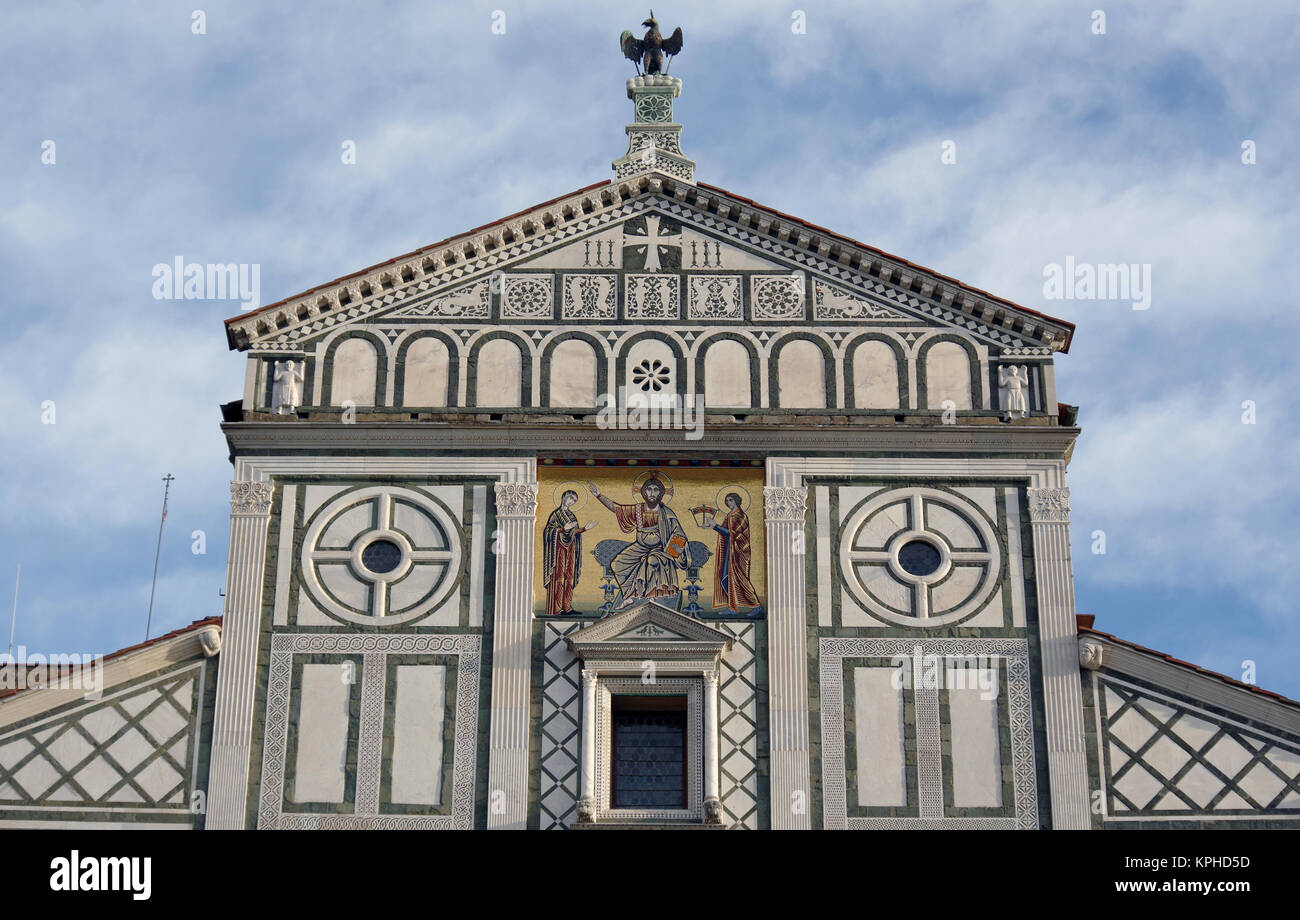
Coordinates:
column 381, row 553
column 920, row 557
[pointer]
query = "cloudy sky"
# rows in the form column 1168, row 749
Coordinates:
column 226, row 146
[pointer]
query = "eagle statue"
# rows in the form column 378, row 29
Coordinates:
column 648, row 53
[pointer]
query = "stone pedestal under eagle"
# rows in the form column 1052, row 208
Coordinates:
column 649, row 53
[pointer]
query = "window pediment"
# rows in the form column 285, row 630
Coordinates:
column 648, row 630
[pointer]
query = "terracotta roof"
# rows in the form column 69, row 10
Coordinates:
column 415, row 252
column 1085, row 629
column 702, row 185
column 929, row 271
column 196, row 625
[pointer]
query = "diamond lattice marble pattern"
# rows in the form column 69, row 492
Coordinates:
column 562, row 727
column 1166, row 758
column 132, row 750
column 738, row 726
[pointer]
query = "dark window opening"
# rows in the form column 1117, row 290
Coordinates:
column 919, row 558
column 381, row 557
column 648, row 752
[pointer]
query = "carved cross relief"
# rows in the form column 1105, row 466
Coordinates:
column 659, row 244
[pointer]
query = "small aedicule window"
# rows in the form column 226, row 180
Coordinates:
column 648, row 753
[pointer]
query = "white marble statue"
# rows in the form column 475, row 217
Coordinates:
column 1014, row 382
column 287, row 395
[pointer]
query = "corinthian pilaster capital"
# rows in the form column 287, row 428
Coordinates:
column 785, row 503
column 1049, row 506
column 250, row 497
column 516, row 499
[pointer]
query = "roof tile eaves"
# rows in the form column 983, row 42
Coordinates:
column 702, row 185
column 899, row 259
column 175, row 633
column 1187, row 665
column 414, row 252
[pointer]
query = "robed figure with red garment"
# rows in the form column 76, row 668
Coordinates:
column 731, row 585
column 562, row 555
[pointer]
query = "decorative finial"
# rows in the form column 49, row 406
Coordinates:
column 649, row 53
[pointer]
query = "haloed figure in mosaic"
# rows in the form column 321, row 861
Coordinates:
column 562, row 565
column 647, row 567
column 731, row 585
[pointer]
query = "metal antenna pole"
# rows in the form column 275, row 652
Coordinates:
column 167, row 484
column 13, row 622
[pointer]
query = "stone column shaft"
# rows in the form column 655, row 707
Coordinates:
column 511, row 657
column 788, row 658
column 250, row 512
column 1049, row 515
column 712, row 802
column 587, row 776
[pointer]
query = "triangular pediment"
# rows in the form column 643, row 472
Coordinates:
column 650, row 632
column 594, row 254
column 653, row 242
column 647, row 624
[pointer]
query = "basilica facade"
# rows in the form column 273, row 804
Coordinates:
column 649, row 506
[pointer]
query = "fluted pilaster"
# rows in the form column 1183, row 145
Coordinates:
column 788, row 657
column 511, row 656
column 250, row 511
column 1049, row 516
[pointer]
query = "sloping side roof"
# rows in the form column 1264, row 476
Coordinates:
column 457, row 254
column 133, row 649
column 1085, row 629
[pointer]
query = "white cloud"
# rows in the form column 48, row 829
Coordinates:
column 1186, row 492
column 225, row 147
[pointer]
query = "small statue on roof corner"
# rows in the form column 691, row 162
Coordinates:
column 649, row 53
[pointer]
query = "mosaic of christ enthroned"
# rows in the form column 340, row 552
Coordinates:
column 689, row 539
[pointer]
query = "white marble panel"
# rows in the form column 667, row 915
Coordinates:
column 309, row 614
column 572, row 370
column 953, row 526
column 801, row 376
column 879, row 730
column 727, row 375
column 345, row 528
column 344, row 585
column 451, row 496
column 499, row 375
column 875, row 376
column 408, row 592
column 355, row 367
column 947, row 376
column 954, row 589
column 319, row 769
column 881, row 526
column 416, row 524
column 973, row 712
column 425, row 377
column 418, row 716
